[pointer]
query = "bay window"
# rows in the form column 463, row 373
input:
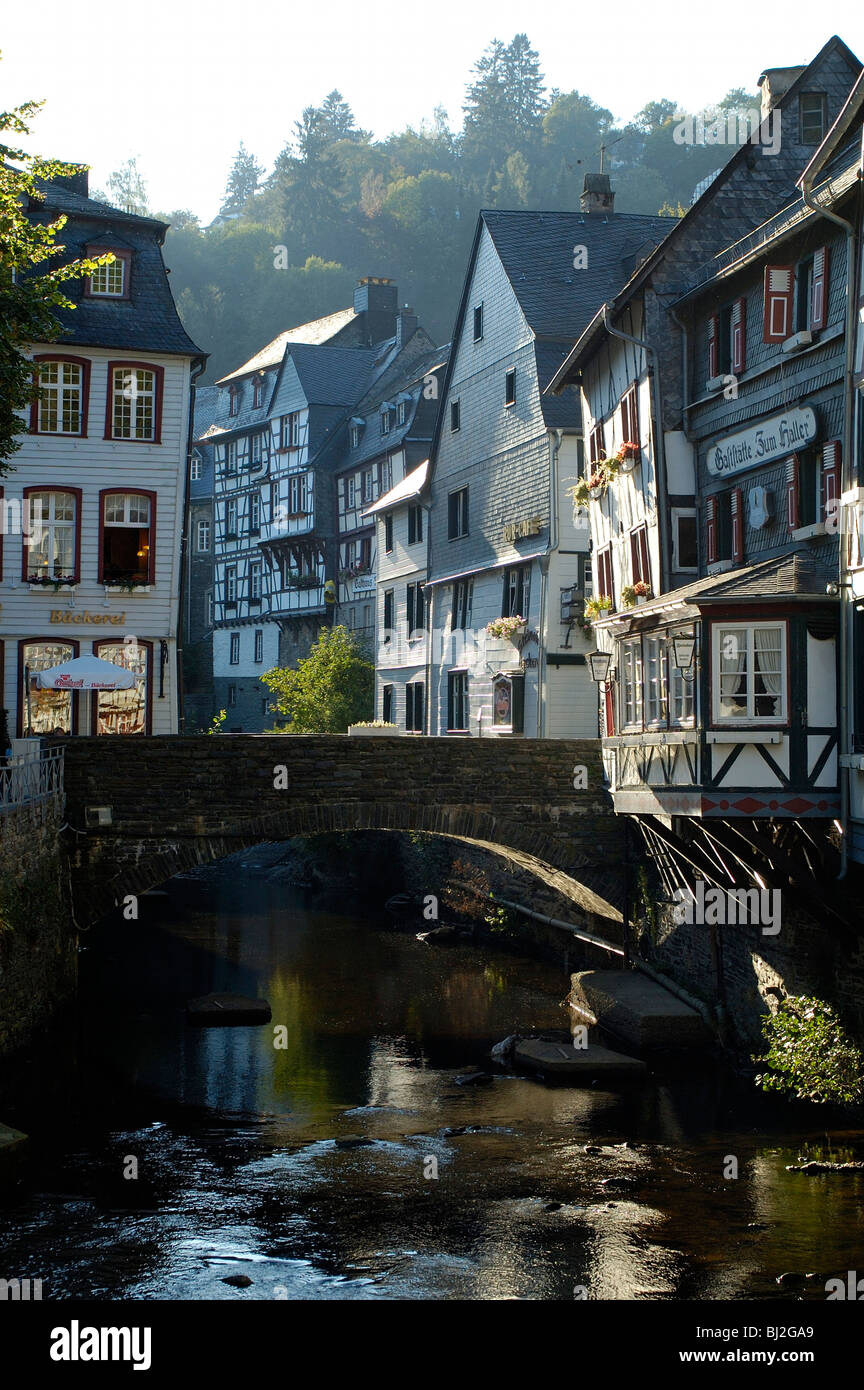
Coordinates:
column 127, row 550
column 63, row 385
column 134, row 403
column 749, row 673
column 51, row 545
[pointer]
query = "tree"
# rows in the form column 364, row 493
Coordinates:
column 128, row 189
column 332, row 687
column 29, row 291
column 504, row 104
column 810, row 1055
column 243, row 181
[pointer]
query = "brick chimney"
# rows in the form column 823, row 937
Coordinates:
column 597, row 195
column 376, row 300
column 775, row 83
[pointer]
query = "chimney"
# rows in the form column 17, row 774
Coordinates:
column 74, row 183
column 597, row 195
column 376, row 300
column 406, row 325
column 774, row 84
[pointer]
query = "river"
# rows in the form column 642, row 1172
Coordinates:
column 349, row 1163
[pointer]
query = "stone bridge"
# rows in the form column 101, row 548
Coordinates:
column 140, row 810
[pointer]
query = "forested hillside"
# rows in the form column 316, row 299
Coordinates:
column 289, row 245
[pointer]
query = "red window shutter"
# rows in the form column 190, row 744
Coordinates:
column 711, row 530
column 792, row 506
column 644, row 562
column 819, row 292
column 737, row 525
column 831, row 481
column 713, row 332
column 779, row 298
column 739, row 334
column 609, row 700
column 634, row 556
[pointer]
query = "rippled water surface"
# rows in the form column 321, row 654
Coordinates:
column 309, row 1168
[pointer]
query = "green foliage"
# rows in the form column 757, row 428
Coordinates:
column 344, row 205
column 30, row 291
column 810, row 1055
column 218, row 721
column 332, row 687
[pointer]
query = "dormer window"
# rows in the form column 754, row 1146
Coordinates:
column 386, row 420
column 401, row 413
column 355, row 436
column 233, row 400
column 257, row 392
column 112, row 280
column 811, row 109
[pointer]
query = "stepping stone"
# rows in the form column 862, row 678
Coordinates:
column 637, row 1008
column 575, row 1063
column 227, row 1010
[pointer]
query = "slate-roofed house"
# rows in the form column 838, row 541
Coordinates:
column 99, row 483
column 725, row 370
column 280, row 433
column 502, row 537
column 387, row 435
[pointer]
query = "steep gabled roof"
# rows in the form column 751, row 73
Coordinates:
column 318, row 331
column 684, row 225
column 536, row 250
column 332, row 375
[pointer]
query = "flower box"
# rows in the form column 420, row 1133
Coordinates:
column 374, row 730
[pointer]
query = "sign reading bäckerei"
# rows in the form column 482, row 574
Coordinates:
column 770, row 439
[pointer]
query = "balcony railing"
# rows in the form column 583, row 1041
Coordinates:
column 28, row 780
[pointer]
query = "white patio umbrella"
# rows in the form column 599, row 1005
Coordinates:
column 86, row 673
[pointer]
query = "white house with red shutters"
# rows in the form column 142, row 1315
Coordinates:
column 93, row 505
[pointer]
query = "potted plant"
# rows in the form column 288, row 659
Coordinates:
column 580, row 493
column 293, row 580
column 595, row 606
column 630, row 454
column 510, row 629
column 642, row 590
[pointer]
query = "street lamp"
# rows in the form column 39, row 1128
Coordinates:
column 599, row 662
column 684, row 649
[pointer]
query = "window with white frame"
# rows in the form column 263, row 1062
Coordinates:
column 109, row 281
column 254, row 513
column 401, row 412
column 231, row 584
column 749, row 673
column 51, row 544
column 654, row 671
column 61, row 398
column 126, row 537
column 681, row 694
column 350, row 494
column 231, row 457
column 297, row 494
column 202, row 536
column 259, row 647
column 231, row 518
column 463, row 597
column 195, row 469
column 234, row 657
column 631, row 683
column 256, row 443
column 366, row 485
column 255, row 581
column 134, row 403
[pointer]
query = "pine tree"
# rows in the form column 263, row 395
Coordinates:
column 242, row 182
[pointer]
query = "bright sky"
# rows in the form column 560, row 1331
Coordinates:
column 179, row 84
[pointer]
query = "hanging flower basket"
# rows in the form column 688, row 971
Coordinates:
column 510, row 629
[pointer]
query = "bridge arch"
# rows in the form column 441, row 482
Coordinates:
column 140, row 811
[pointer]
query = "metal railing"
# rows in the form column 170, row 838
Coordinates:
column 28, row 780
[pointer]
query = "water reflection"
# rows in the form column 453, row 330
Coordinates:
column 307, row 1166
